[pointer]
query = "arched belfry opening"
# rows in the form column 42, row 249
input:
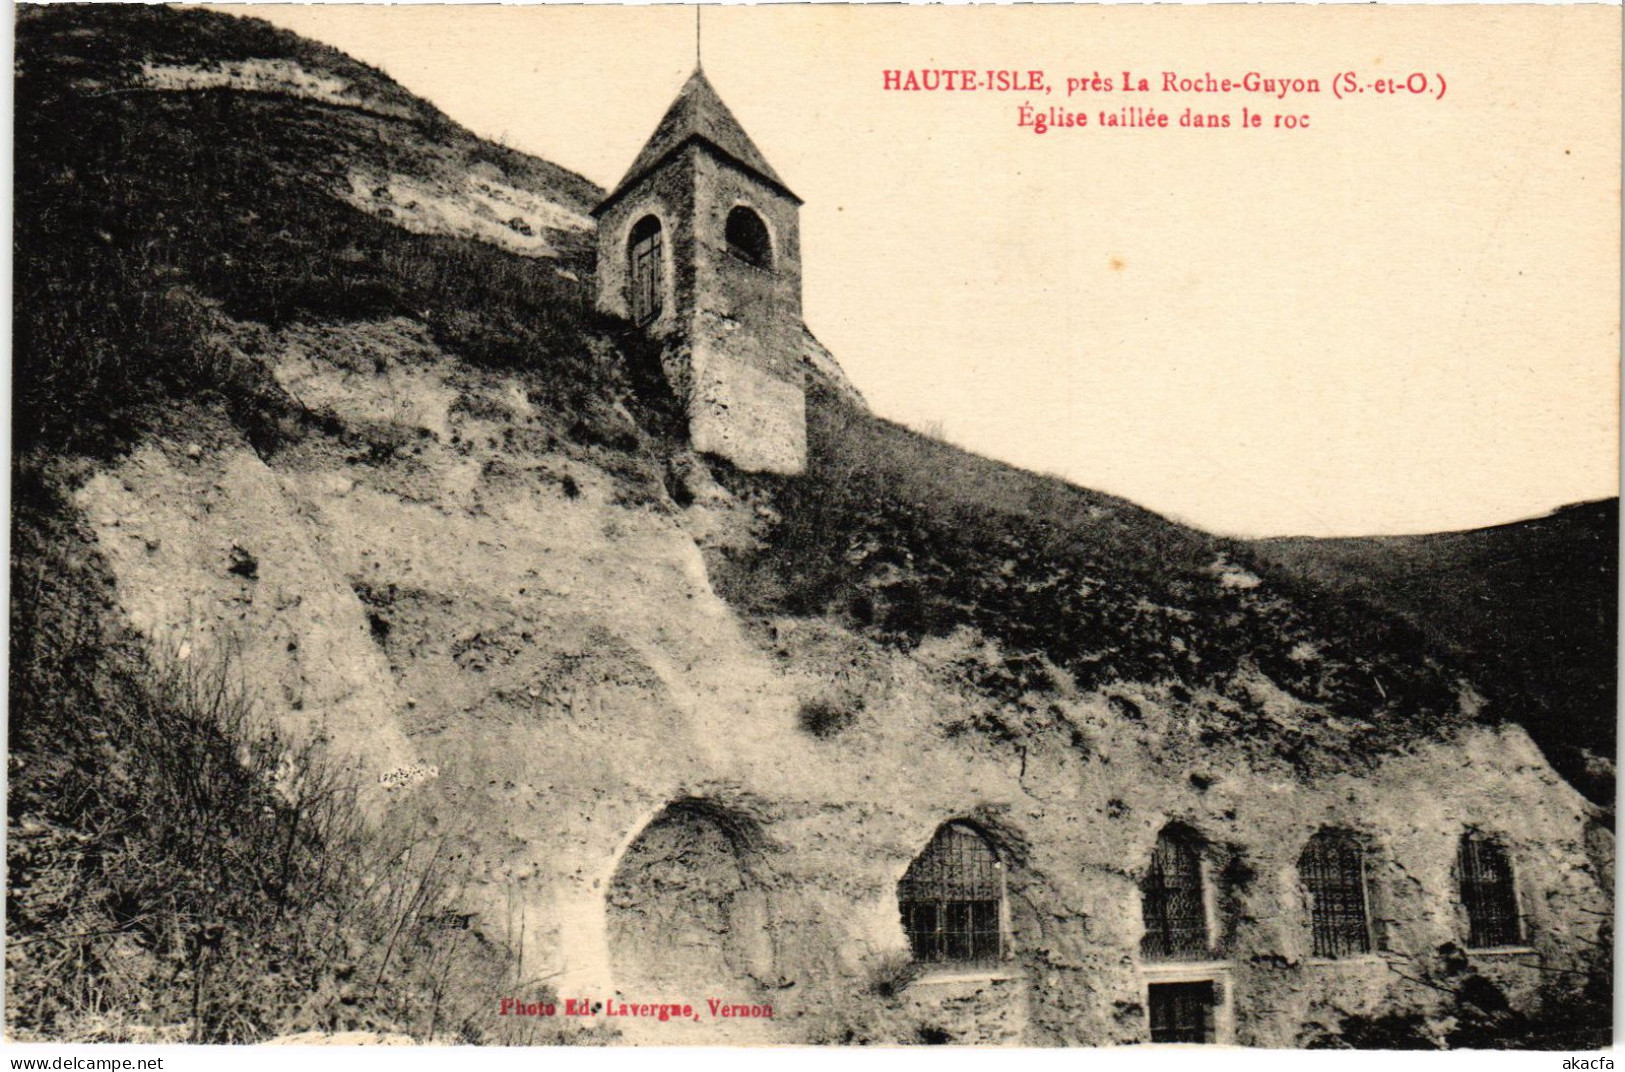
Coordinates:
column 699, row 246
column 748, row 238
column 687, row 911
column 646, row 264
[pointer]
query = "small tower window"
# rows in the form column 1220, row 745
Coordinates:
column 1171, row 899
column 1487, row 893
column 952, row 899
column 648, row 270
column 748, row 238
column 1332, row 869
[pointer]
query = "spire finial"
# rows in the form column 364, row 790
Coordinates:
column 697, row 64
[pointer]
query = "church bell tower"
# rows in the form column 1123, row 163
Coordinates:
column 699, row 246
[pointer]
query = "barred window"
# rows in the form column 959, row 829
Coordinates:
column 952, row 899
column 1332, row 869
column 648, row 270
column 1182, row 1012
column 1487, row 892
column 1171, row 898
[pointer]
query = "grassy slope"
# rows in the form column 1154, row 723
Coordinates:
column 140, row 212
column 1529, row 607
column 906, row 537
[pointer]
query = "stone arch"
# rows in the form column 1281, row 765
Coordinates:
column 687, row 908
column 748, row 237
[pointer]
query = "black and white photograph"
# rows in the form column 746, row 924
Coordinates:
column 813, row 525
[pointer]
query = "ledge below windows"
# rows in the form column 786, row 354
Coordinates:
column 1504, row 951
column 968, row 974
column 1183, row 971
column 1360, row 960
column 740, row 258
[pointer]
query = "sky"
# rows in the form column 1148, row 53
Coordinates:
column 1401, row 318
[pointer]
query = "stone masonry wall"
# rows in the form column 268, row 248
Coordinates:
column 733, row 331
column 748, row 403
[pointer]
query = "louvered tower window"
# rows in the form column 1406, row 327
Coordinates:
column 748, row 238
column 1487, row 892
column 1332, row 869
column 952, row 899
column 648, row 270
column 1172, row 900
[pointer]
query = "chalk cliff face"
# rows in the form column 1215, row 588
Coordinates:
column 511, row 639
column 689, row 726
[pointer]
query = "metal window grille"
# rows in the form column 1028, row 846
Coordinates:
column 1487, row 892
column 648, row 270
column 1332, row 868
column 951, row 899
column 1181, row 1012
column 1172, row 902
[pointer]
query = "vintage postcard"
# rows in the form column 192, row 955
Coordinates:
column 1048, row 526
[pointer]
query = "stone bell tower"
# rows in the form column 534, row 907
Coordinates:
column 699, row 246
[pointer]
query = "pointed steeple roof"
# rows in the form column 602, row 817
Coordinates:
column 698, row 115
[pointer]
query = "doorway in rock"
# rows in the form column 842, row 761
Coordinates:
column 1182, row 1012
column 686, row 918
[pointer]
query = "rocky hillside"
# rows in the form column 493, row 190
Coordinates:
column 190, row 189
column 314, row 423
column 1529, row 607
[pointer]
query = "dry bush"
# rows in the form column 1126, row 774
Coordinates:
column 177, row 868
column 828, row 716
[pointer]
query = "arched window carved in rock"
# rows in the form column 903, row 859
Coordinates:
column 1332, row 870
column 748, row 238
column 646, row 266
column 1172, row 898
column 683, row 908
column 1487, row 892
column 952, row 899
